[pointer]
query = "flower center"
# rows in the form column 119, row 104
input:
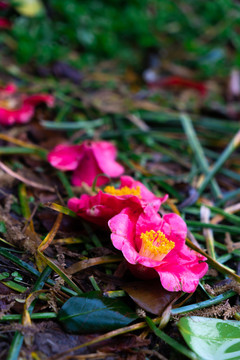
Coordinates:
column 155, row 245
column 123, row 191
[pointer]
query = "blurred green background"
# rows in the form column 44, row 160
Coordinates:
column 199, row 34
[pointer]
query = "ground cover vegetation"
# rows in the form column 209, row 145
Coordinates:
column 119, row 180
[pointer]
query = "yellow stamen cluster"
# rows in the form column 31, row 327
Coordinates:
column 155, row 245
column 123, row 191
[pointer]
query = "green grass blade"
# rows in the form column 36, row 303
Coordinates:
column 198, row 151
column 234, row 143
column 17, row 341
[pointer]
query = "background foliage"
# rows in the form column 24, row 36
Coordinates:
column 207, row 31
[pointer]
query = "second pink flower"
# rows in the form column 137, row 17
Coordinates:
column 87, row 160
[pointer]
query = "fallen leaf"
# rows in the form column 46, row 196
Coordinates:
column 150, row 295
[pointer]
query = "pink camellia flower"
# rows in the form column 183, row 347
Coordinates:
column 103, row 206
column 156, row 246
column 88, row 160
column 16, row 108
column 179, row 82
column 4, row 5
column 5, row 23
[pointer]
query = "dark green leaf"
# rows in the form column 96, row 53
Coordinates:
column 93, row 312
column 212, row 339
column 4, row 275
column 2, row 227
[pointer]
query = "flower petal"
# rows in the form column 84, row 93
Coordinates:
column 105, row 154
column 87, row 170
column 178, row 229
column 5, row 23
column 9, row 89
column 22, row 115
column 4, row 5
column 6, row 117
column 146, row 194
column 65, row 157
column 123, row 229
column 182, row 271
column 37, row 99
column 90, row 208
column 102, row 207
column 25, row 110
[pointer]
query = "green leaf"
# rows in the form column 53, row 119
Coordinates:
column 17, row 276
column 212, row 339
column 4, row 275
column 92, row 312
column 2, row 227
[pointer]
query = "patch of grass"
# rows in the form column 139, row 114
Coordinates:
column 85, row 32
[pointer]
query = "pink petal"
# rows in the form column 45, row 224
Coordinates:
column 172, row 81
column 22, row 115
column 146, row 194
column 91, row 210
column 3, row 5
column 25, row 112
column 5, row 23
column 182, row 271
column 88, row 169
column 129, row 253
column 122, row 227
column 6, row 117
column 88, row 160
column 102, row 207
column 105, row 154
column 73, row 204
column 9, row 89
column 65, row 157
column 148, row 262
column 37, row 99
column 178, row 229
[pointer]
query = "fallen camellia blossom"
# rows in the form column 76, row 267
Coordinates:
column 4, row 5
column 106, row 204
column 177, row 81
column 99, row 208
column 17, row 108
column 156, row 246
column 88, row 160
column 5, row 23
